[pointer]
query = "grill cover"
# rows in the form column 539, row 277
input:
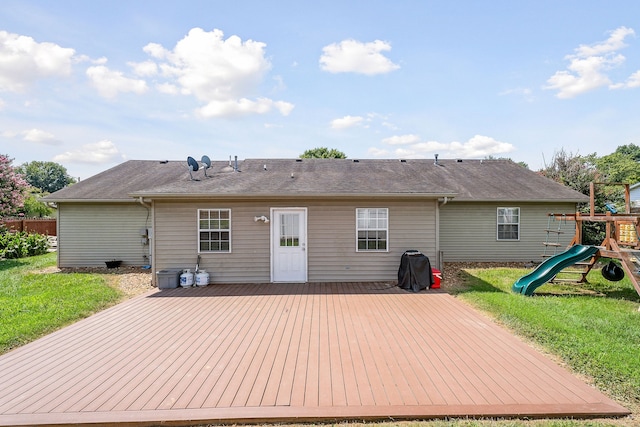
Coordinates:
column 415, row 272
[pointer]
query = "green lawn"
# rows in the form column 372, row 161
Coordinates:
column 594, row 328
column 34, row 304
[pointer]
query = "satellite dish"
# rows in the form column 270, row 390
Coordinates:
column 206, row 161
column 193, row 164
column 193, row 167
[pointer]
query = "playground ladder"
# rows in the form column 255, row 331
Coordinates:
column 578, row 272
column 553, row 235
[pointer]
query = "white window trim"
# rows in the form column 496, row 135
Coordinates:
column 377, row 229
column 498, row 224
column 198, row 231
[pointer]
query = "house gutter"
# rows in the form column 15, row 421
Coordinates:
column 254, row 196
column 129, row 200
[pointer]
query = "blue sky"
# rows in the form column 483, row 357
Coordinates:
column 90, row 84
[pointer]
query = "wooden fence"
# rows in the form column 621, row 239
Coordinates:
column 40, row 226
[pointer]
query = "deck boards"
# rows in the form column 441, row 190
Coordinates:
column 282, row 352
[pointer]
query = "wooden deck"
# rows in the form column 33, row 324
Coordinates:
column 285, row 352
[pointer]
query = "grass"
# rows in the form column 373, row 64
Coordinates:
column 593, row 328
column 33, row 304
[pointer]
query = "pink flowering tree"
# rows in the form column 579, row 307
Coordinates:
column 12, row 187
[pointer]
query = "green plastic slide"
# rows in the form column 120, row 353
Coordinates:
column 550, row 267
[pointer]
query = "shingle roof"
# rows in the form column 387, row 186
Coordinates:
column 465, row 180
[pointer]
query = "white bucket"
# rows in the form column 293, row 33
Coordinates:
column 186, row 279
column 202, row 278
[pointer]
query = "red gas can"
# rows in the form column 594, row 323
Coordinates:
column 437, row 277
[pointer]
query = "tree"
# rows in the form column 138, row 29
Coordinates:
column 323, row 153
column 49, row 177
column 629, row 150
column 12, row 187
column 33, row 208
column 491, row 157
column 619, row 167
column 574, row 171
column 578, row 172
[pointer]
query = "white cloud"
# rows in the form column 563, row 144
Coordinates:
column 412, row 147
column 24, row 61
column 588, row 66
column 379, row 152
column 221, row 73
column 99, row 152
column 109, row 83
column 346, row 122
column 402, row 139
column 243, row 107
column 352, row 56
column 613, row 43
column 634, row 80
column 167, row 88
column 39, row 136
column 144, row 69
column 2, row 104
column 479, row 146
column 156, row 50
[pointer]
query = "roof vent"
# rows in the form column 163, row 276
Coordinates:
column 459, row 160
column 356, row 161
column 403, row 160
column 435, row 162
column 298, row 160
column 164, row 162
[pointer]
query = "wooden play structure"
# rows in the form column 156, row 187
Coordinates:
column 622, row 236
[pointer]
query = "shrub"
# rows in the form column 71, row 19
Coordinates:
column 22, row 244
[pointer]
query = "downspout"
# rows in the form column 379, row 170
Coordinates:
column 143, row 203
column 150, row 240
column 439, row 260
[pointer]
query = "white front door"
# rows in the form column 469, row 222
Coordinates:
column 289, row 245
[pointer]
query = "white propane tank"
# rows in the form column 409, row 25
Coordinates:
column 186, row 278
column 202, row 278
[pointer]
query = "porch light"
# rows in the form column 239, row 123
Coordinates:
column 261, row 218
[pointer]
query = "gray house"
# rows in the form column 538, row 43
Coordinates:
column 299, row 220
column 634, row 195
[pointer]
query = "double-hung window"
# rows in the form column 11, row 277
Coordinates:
column 508, row 224
column 372, row 229
column 214, row 230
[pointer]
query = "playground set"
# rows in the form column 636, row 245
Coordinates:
column 621, row 242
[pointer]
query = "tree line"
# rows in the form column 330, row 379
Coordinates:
column 21, row 187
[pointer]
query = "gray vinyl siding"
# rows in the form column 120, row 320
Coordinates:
column 91, row 234
column 468, row 232
column 331, row 240
column 634, row 195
